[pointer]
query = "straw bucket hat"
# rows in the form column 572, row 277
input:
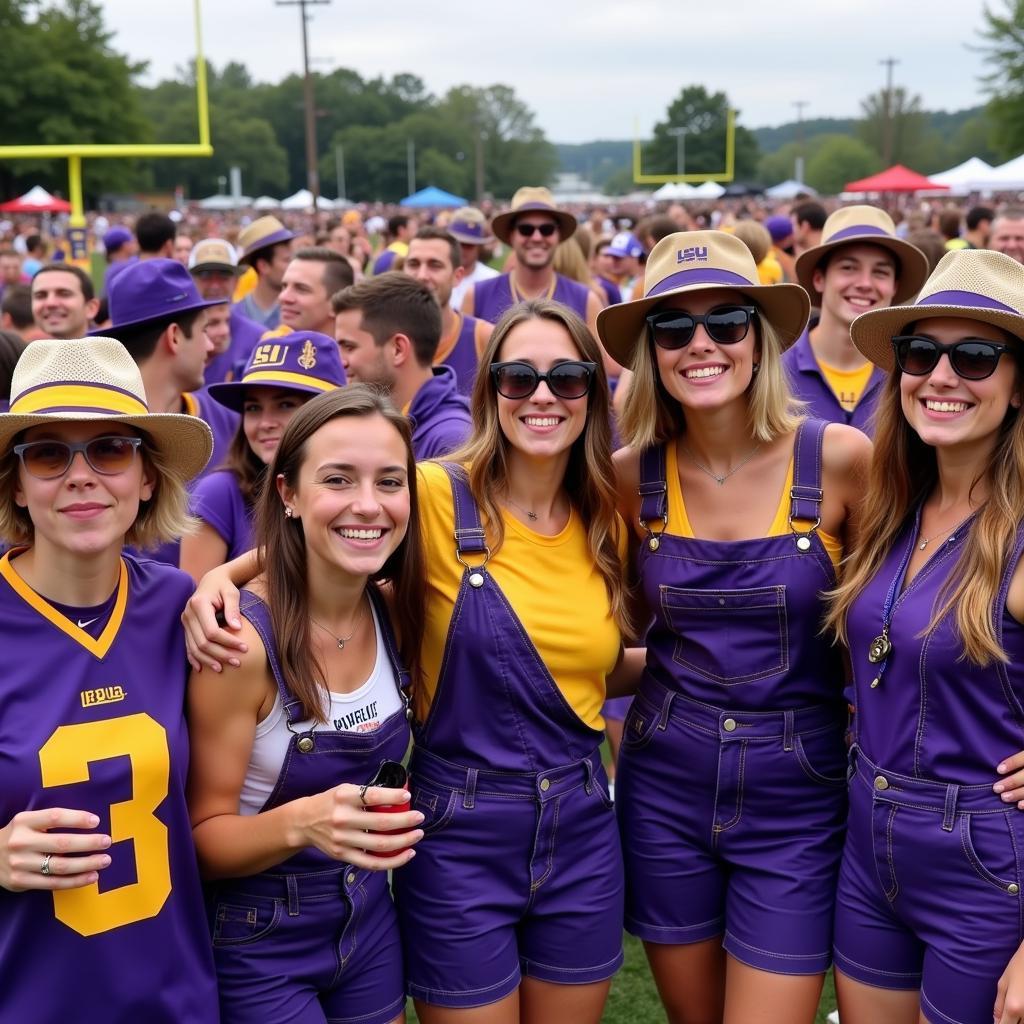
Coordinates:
column 261, row 234
column 865, row 225
column 973, row 284
column 691, row 261
column 96, row 379
column 530, row 199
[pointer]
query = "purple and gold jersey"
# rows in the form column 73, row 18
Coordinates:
column 492, row 297
column 97, row 724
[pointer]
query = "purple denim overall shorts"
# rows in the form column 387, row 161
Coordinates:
column 731, row 782
column 520, row 871
column 314, row 938
column 929, row 889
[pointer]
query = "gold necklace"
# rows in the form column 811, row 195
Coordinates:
column 720, row 478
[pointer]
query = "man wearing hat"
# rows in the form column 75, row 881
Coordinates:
column 619, row 266
column 468, row 227
column 266, row 246
column 533, row 226
column 860, row 265
column 121, row 248
column 157, row 313
column 213, row 264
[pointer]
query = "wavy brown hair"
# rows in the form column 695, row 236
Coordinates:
column 903, row 473
column 281, row 544
column 589, row 478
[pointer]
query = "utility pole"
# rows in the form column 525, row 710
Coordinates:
column 410, row 157
column 889, row 62
column 339, row 167
column 680, row 134
column 478, row 147
column 312, row 172
column 799, row 168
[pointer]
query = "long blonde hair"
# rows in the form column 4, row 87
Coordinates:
column 903, row 473
column 650, row 415
column 589, row 479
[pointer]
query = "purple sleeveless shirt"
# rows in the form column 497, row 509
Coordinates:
column 217, row 500
column 492, row 297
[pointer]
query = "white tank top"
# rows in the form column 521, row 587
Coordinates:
column 362, row 710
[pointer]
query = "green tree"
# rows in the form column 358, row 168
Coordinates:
column 838, row 159
column 1003, row 45
column 780, row 165
column 704, row 116
column 912, row 141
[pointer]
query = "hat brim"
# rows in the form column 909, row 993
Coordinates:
column 227, row 268
column 112, row 330
column 470, row 239
column 185, row 442
column 231, row 394
column 622, row 327
column 872, row 332
column 913, row 263
column 274, row 238
column 503, row 223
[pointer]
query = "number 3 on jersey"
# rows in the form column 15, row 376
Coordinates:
column 64, row 760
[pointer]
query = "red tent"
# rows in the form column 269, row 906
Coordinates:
column 895, row 179
column 36, row 200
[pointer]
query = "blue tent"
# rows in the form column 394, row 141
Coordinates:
column 432, row 196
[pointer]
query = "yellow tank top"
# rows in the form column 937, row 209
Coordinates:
column 679, row 521
column 245, row 284
column 550, row 582
column 847, row 385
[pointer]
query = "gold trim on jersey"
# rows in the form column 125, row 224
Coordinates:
column 97, row 646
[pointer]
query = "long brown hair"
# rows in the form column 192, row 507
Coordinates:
column 248, row 469
column 589, row 479
column 903, row 473
column 282, row 547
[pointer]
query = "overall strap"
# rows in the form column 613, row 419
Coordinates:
column 653, row 489
column 1004, row 586
column 470, row 538
column 806, row 495
column 256, row 611
column 402, row 677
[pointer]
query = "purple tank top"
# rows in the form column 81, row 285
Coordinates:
column 462, row 358
column 933, row 714
column 492, row 297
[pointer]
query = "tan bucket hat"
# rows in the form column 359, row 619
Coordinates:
column 865, row 225
column 530, row 199
column 698, row 261
column 974, row 284
column 261, row 234
column 96, row 379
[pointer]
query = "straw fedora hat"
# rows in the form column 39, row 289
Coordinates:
column 261, row 234
column 692, row 261
column 530, row 199
column 973, row 284
column 96, row 379
column 865, row 225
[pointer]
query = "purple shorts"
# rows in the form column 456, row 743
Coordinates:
column 299, row 949
column 929, row 891
column 732, row 824
column 517, row 874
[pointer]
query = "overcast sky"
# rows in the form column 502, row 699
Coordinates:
column 591, row 68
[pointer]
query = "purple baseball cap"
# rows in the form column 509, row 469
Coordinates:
column 625, row 244
column 115, row 238
column 151, row 290
column 301, row 361
column 780, row 227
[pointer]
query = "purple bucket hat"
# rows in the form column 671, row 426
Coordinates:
column 301, row 361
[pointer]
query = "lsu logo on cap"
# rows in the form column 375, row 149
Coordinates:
column 268, row 355
column 695, row 254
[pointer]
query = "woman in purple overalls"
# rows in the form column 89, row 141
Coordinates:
column 929, row 911
column 512, row 908
column 283, row 749
column 731, row 783
column 281, row 375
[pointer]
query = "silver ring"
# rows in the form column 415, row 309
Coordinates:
column 45, row 869
column 362, row 794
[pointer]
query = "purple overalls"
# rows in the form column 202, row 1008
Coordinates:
column 314, row 937
column 731, row 781
column 519, row 872
column 929, row 890
column 492, row 297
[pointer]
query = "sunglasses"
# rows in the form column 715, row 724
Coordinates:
column 674, row 329
column 545, row 230
column 971, row 358
column 571, row 379
column 47, row 460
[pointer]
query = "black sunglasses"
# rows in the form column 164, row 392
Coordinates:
column 515, row 380
column 47, row 460
column 544, row 230
column 971, row 358
column 674, row 329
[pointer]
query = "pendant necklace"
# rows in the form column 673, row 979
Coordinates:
column 339, row 640
column 532, row 516
column 720, row 478
column 925, row 541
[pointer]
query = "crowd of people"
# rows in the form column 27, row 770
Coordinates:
column 740, row 489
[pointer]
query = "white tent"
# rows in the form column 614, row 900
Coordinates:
column 675, row 190
column 266, row 203
column 303, row 200
column 708, row 190
column 224, row 202
column 789, row 190
column 962, row 176
column 1006, row 177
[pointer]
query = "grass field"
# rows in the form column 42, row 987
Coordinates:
column 634, row 999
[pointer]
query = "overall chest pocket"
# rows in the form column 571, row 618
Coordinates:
column 729, row 636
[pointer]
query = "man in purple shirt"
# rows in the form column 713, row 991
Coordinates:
column 388, row 329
